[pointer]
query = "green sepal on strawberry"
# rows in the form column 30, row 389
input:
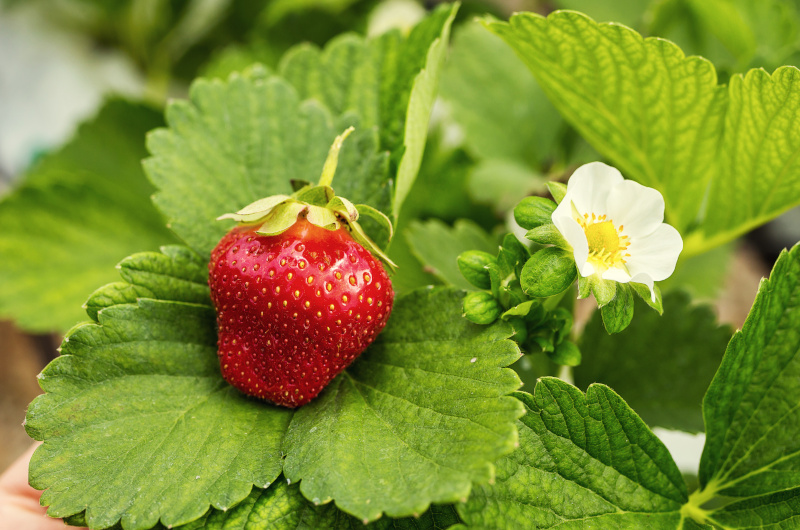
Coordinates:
column 298, row 291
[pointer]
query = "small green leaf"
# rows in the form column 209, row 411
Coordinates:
column 603, row 291
column 550, row 271
column 660, row 365
column 354, row 442
column 481, row 307
column 472, row 265
column 533, row 212
column 437, row 246
column 752, row 434
column 584, row 461
column 643, row 292
column 558, row 190
column 548, row 234
column 618, row 313
column 566, row 353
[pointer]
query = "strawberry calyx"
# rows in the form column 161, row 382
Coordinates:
column 319, row 205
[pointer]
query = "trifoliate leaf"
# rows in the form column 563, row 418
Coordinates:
column 420, row 416
column 660, row 365
column 75, row 215
column 750, row 409
column 437, row 246
column 140, row 428
column 496, row 101
column 283, row 507
column 137, row 422
column 584, row 461
column 239, row 141
column 664, row 121
column 389, row 82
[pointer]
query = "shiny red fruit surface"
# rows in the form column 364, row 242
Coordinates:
column 295, row 309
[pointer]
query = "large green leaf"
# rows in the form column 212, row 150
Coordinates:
column 137, row 422
column 437, row 246
column 282, row 507
column 389, row 81
column 139, row 426
column 664, row 121
column 76, row 214
column 238, row 141
column 584, row 461
column 419, row 418
column 751, row 411
column 661, row 365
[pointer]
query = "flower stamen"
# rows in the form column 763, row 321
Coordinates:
column 607, row 243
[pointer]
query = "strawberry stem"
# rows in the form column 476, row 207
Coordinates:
column 329, row 169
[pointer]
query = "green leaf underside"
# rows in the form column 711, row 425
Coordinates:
column 437, row 246
column 661, row 365
column 751, row 411
column 77, row 213
column 140, row 427
column 422, row 414
column 389, row 81
column 584, row 461
column 664, row 121
column 238, row 141
column 283, row 507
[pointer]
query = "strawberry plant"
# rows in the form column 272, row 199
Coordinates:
column 401, row 352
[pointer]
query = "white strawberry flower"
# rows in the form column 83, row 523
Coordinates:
column 616, row 228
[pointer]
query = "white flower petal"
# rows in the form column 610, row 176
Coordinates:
column 575, row 236
column 639, row 208
column 655, row 254
column 589, row 187
column 616, row 274
column 646, row 280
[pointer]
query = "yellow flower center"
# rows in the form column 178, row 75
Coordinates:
column 607, row 244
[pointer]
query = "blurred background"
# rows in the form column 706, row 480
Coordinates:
column 82, row 81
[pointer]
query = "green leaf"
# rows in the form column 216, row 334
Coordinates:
column 660, row 365
column 567, row 354
column 664, row 121
column 584, row 461
column 282, row 507
column 504, row 114
column 550, row 271
column 655, row 113
column 134, row 407
column 430, row 58
column 437, row 246
column 775, row 511
column 389, row 82
column 752, row 437
column 432, row 368
column 239, row 141
column 75, row 215
column 628, row 12
column 548, row 234
column 618, row 313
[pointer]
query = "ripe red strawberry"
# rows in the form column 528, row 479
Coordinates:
column 297, row 292
column 294, row 309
